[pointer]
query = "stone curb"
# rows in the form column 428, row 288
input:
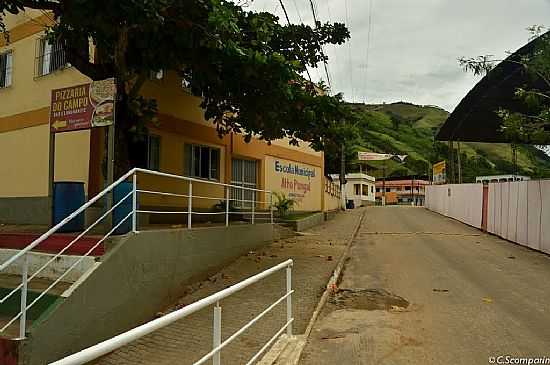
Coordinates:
column 288, row 352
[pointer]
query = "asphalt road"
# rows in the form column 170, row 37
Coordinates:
column 471, row 296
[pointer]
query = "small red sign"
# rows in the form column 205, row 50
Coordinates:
column 83, row 106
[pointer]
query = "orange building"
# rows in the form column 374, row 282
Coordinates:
column 183, row 143
column 405, row 191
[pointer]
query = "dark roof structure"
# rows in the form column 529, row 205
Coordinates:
column 475, row 118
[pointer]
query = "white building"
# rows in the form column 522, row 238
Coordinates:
column 360, row 188
column 501, row 178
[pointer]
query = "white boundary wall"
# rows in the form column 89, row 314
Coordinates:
column 520, row 212
column 463, row 202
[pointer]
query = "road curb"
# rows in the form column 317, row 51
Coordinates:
column 286, row 356
column 333, row 280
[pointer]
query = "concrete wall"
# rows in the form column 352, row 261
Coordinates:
column 333, row 198
column 53, row 271
column 516, row 211
column 306, row 190
column 520, row 212
column 332, row 202
column 463, row 202
column 140, row 276
column 313, row 220
column 25, row 210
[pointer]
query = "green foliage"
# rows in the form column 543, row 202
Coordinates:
column 531, row 124
column 246, row 66
column 283, row 204
column 415, row 137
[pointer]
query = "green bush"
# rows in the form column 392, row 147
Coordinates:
column 283, row 204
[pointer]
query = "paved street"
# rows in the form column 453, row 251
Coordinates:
column 439, row 292
column 315, row 255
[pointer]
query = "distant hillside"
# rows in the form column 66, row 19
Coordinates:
column 406, row 128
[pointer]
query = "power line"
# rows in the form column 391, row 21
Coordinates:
column 297, row 11
column 368, row 50
column 320, row 46
column 288, row 21
column 284, row 11
column 349, row 54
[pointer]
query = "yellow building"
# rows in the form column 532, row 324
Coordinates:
column 183, row 143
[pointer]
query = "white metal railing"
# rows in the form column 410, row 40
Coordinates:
column 189, row 212
column 132, row 213
column 112, row 344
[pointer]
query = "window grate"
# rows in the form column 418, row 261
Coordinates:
column 50, row 57
column 5, row 69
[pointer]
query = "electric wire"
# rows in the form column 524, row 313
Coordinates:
column 348, row 24
column 368, row 50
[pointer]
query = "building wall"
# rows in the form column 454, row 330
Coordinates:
column 24, row 116
column 306, row 190
column 24, row 160
column 360, row 199
column 333, row 197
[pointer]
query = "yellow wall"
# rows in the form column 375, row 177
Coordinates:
column 333, row 198
column 27, row 92
column 307, row 191
column 24, row 108
column 72, row 156
column 172, row 162
column 174, row 133
column 173, row 100
column 24, row 160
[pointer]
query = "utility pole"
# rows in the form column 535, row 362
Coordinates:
column 459, row 164
column 384, row 184
column 412, row 190
column 451, row 163
column 343, row 175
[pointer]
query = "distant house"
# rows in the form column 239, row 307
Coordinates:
column 501, row 178
column 359, row 188
column 407, row 191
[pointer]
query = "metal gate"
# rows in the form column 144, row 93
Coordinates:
column 245, row 174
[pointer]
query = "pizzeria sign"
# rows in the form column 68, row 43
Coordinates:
column 83, row 106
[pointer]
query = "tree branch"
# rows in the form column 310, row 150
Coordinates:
column 41, row 4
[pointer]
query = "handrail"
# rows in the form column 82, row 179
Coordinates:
column 39, row 270
column 187, row 178
column 107, row 346
column 23, row 253
column 52, row 230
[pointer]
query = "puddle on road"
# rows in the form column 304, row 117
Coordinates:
column 368, row 299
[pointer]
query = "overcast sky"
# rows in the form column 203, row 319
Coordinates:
column 414, row 45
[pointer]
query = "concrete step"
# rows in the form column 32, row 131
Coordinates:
column 52, row 244
column 11, row 307
column 286, row 351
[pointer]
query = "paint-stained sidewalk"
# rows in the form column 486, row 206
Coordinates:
column 315, row 256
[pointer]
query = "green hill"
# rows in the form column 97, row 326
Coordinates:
column 405, row 128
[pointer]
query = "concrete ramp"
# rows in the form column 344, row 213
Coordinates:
column 139, row 276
